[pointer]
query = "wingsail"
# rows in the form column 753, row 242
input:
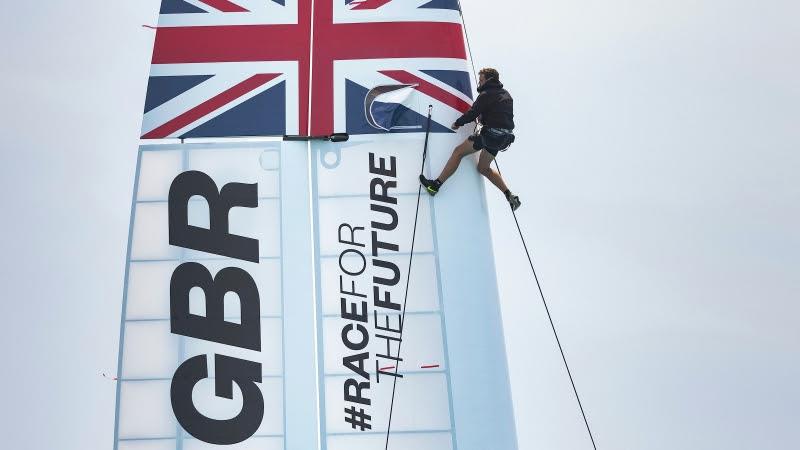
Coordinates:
column 269, row 302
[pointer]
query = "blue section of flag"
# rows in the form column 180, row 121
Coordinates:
column 262, row 115
column 178, row 7
column 160, row 90
column 457, row 79
column 388, row 115
column 357, row 122
column 442, row 4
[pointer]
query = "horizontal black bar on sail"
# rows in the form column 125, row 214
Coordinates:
column 335, row 137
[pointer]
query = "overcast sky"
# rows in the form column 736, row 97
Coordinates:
column 657, row 157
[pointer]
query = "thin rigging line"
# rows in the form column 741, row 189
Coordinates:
column 530, row 261
column 550, row 318
column 408, row 281
column 466, row 36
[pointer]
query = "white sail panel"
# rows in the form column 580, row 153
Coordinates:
column 366, row 191
column 442, row 441
column 150, row 351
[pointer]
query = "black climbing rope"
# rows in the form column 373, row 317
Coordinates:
column 550, row 318
column 530, row 261
column 408, row 278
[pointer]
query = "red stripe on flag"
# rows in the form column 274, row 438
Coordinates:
column 224, row 6
column 431, row 366
column 230, row 43
column 428, row 89
column 176, row 45
column 211, row 105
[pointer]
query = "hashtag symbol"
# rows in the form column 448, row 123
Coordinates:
column 357, row 418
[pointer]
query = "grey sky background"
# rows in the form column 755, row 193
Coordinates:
column 657, row 158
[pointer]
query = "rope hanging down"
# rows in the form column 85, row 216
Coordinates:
column 408, row 278
column 552, row 325
column 530, row 260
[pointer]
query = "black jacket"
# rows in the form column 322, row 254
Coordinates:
column 494, row 105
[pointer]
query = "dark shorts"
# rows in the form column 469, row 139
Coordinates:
column 493, row 140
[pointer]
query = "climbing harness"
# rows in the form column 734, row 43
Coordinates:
column 499, row 139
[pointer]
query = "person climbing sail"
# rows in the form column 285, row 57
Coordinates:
column 494, row 109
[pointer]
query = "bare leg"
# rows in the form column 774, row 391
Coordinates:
column 455, row 159
column 485, row 168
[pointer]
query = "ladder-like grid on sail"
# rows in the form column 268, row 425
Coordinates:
column 149, row 352
column 423, row 413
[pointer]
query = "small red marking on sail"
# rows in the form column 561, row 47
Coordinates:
column 387, row 368
column 430, row 366
column 108, row 377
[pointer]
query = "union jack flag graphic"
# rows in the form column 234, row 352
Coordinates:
column 226, row 68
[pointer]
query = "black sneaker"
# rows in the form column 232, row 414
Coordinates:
column 514, row 201
column 432, row 186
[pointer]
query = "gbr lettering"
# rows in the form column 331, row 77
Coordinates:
column 216, row 239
